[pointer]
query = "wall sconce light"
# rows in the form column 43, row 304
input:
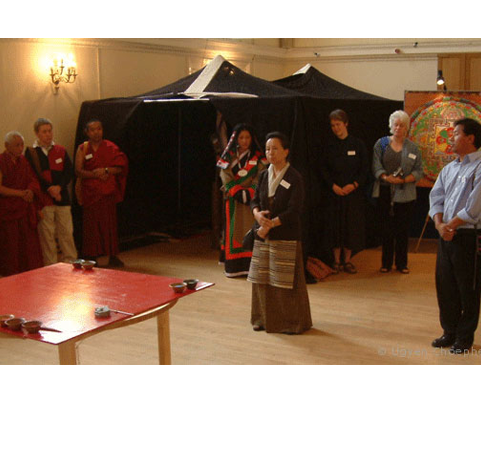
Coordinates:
column 440, row 79
column 63, row 70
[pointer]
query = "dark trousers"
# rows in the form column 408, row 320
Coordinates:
column 458, row 298
column 395, row 223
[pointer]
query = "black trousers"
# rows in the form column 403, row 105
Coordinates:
column 458, row 298
column 394, row 224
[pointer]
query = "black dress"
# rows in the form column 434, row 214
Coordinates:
column 345, row 161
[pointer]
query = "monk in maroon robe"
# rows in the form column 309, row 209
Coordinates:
column 19, row 243
column 102, row 171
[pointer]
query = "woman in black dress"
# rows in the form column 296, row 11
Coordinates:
column 344, row 169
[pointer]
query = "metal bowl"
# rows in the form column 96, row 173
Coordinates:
column 178, row 288
column 88, row 265
column 191, row 283
column 15, row 324
column 4, row 318
column 77, row 263
column 32, row 326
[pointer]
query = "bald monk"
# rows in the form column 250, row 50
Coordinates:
column 19, row 243
column 102, row 169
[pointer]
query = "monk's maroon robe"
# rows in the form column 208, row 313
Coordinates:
column 100, row 198
column 19, row 243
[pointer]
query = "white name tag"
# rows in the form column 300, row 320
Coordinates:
column 412, row 156
column 58, row 161
column 351, row 153
column 89, row 156
column 285, row 184
column 252, row 163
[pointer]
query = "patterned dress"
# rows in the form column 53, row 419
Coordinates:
column 239, row 175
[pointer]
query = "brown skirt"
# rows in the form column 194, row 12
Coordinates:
column 280, row 310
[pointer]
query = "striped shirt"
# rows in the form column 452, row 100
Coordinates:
column 457, row 191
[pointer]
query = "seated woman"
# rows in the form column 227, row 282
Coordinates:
column 240, row 164
column 344, row 169
column 397, row 167
column 280, row 303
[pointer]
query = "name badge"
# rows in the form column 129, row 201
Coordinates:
column 252, row 163
column 285, row 184
column 412, row 156
column 89, row 156
column 242, row 173
column 58, row 161
column 351, row 153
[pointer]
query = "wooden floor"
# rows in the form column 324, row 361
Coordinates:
column 367, row 318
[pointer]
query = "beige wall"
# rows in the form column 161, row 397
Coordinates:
column 387, row 78
column 123, row 67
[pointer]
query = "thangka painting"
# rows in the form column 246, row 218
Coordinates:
column 433, row 115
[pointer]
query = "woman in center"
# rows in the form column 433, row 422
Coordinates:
column 280, row 303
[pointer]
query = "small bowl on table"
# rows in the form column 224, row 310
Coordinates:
column 4, row 318
column 88, row 265
column 178, row 288
column 15, row 324
column 191, row 283
column 77, row 263
column 32, row 326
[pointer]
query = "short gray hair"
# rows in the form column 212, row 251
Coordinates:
column 12, row 134
column 399, row 115
column 39, row 122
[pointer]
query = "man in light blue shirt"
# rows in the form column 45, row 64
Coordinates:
column 456, row 210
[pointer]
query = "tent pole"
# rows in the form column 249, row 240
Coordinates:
column 179, row 153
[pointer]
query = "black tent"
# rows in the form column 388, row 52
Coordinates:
column 167, row 135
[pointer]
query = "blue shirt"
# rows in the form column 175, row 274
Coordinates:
column 457, row 191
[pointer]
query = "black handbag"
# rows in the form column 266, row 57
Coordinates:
column 249, row 238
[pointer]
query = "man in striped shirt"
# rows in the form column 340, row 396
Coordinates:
column 456, row 210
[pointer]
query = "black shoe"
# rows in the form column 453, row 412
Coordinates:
column 114, row 261
column 258, row 328
column 446, row 340
column 461, row 347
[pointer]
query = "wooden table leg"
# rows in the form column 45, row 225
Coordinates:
column 67, row 353
column 163, row 337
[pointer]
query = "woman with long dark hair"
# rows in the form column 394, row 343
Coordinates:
column 240, row 165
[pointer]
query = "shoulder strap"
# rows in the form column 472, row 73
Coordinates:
column 384, row 144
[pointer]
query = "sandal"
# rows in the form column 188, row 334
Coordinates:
column 258, row 328
column 404, row 270
column 350, row 268
column 385, row 269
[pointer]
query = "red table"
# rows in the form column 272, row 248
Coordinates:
column 64, row 299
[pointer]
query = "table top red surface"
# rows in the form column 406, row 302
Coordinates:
column 64, row 298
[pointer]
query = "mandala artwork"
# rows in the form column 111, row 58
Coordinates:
column 432, row 127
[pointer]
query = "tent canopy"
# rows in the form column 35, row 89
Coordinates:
column 310, row 81
column 219, row 78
